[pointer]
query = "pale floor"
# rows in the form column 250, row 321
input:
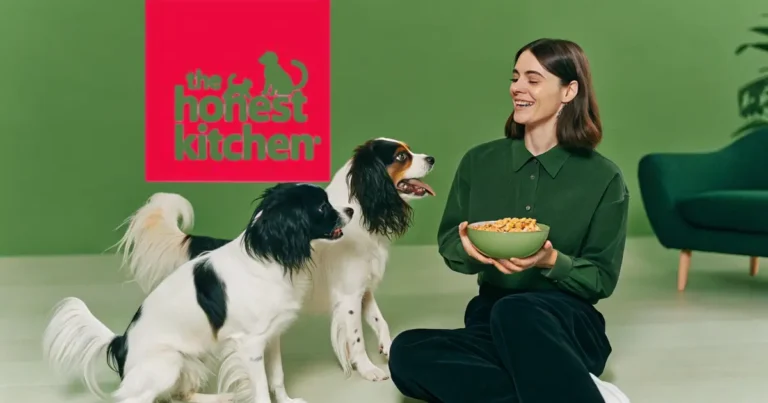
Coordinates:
column 708, row 344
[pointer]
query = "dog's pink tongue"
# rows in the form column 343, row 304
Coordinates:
column 416, row 182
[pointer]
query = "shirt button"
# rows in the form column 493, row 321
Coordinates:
column 528, row 207
column 533, row 177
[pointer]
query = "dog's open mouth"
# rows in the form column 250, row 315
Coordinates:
column 335, row 234
column 414, row 187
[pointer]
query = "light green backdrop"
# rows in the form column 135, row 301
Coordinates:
column 434, row 73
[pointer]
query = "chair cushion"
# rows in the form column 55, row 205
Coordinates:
column 727, row 210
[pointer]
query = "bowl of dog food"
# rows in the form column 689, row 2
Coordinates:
column 508, row 238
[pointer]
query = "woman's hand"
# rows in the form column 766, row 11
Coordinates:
column 545, row 257
column 469, row 248
column 504, row 266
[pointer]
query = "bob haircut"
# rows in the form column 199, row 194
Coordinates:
column 578, row 127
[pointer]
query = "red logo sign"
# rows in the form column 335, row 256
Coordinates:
column 238, row 91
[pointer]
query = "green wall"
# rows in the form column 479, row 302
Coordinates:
column 433, row 73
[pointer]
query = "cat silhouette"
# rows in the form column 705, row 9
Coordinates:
column 277, row 81
column 233, row 89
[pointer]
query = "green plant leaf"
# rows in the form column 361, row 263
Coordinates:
column 760, row 30
column 759, row 46
column 753, row 125
column 750, row 98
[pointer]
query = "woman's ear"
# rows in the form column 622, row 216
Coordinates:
column 570, row 91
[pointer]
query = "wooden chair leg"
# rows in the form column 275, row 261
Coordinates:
column 753, row 265
column 682, row 269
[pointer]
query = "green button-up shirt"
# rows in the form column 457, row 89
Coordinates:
column 583, row 198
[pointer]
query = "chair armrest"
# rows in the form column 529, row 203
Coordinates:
column 665, row 179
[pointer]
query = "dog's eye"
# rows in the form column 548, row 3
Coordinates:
column 400, row 157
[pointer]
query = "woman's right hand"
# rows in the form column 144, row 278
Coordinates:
column 476, row 254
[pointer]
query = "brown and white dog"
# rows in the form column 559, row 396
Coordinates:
column 378, row 182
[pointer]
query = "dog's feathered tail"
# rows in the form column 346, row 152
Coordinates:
column 74, row 339
column 233, row 373
column 156, row 241
column 339, row 343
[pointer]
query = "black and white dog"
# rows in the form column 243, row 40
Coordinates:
column 237, row 299
column 379, row 180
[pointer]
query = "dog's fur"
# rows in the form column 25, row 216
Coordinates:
column 237, row 299
column 371, row 181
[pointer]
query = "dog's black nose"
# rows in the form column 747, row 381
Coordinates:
column 349, row 211
column 430, row 160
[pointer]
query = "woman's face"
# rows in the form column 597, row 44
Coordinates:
column 537, row 93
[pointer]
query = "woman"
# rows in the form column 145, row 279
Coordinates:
column 532, row 334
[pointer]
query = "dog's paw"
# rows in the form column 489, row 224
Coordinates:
column 372, row 373
column 384, row 348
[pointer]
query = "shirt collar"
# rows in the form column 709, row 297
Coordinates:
column 552, row 160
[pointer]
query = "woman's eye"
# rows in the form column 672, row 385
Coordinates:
column 514, row 80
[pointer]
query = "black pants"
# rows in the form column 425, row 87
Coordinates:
column 531, row 347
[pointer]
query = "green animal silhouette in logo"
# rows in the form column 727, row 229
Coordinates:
column 233, row 89
column 277, row 81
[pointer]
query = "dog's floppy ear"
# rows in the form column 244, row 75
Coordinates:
column 383, row 210
column 279, row 233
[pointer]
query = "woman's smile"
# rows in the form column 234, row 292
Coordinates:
column 521, row 105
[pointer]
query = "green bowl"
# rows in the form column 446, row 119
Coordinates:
column 507, row 245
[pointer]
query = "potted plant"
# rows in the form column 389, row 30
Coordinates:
column 753, row 97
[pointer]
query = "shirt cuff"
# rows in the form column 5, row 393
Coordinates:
column 561, row 269
column 462, row 254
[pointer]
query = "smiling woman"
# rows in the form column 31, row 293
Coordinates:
column 545, row 83
column 532, row 333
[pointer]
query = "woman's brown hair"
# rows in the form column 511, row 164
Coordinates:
column 578, row 126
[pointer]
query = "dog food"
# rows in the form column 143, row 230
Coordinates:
column 510, row 225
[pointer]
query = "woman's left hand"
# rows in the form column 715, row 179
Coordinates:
column 545, row 258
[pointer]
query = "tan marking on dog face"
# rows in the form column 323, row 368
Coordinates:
column 397, row 168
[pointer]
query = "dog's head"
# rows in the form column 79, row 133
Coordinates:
column 384, row 176
column 288, row 220
column 268, row 57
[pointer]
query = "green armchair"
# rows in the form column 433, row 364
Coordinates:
column 710, row 202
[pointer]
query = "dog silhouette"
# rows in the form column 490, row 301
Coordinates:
column 277, row 81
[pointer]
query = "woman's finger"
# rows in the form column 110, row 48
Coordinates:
column 471, row 251
column 522, row 262
column 480, row 257
column 469, row 248
column 512, row 266
column 531, row 260
column 500, row 267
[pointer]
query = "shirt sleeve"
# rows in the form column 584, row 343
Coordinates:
column 594, row 274
column 456, row 211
